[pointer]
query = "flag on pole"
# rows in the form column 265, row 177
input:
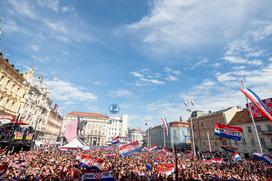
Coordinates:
column 115, row 140
column 152, row 148
column 164, row 122
column 230, row 132
column 257, row 102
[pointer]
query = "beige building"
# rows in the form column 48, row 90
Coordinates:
column 53, row 127
column 12, row 88
column 249, row 143
column 203, row 125
column 93, row 127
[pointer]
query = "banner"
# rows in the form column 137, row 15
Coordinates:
column 29, row 136
column 230, row 132
column 6, row 118
column 18, row 135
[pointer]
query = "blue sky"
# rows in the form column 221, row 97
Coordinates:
column 146, row 56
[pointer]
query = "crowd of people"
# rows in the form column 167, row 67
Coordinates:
column 54, row 164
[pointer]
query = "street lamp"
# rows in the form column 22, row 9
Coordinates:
column 189, row 104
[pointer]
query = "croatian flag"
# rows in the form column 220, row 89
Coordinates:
column 257, row 102
column 115, row 140
column 92, row 175
column 86, row 162
column 164, row 122
column 236, row 157
column 230, row 132
column 229, row 149
column 129, row 149
column 152, row 148
column 262, row 157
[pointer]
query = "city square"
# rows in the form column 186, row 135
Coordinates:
column 135, row 90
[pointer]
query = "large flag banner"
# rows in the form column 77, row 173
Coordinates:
column 129, row 149
column 230, row 132
column 91, row 175
column 164, row 122
column 262, row 157
column 257, row 102
column 71, row 130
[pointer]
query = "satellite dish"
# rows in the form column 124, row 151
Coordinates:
column 114, row 108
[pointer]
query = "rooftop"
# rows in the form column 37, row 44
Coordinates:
column 88, row 114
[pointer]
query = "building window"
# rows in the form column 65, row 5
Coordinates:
column 252, row 141
column 244, row 141
column 249, row 129
column 269, row 127
column 262, row 141
column 224, row 143
column 236, row 142
column 259, row 128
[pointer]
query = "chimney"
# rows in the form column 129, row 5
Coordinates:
column 180, row 118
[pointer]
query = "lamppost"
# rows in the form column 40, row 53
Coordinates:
column 148, row 133
column 189, row 104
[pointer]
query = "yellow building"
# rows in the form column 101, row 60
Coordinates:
column 12, row 88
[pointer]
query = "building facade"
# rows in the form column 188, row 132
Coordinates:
column 93, row 127
column 249, row 143
column 53, row 126
column 118, row 127
column 203, row 125
column 178, row 135
column 37, row 110
column 135, row 135
column 12, row 88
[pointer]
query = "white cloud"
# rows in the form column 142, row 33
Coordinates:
column 171, row 78
column 235, row 59
column 23, row 8
column 56, row 26
column 200, row 63
column 10, row 26
column 264, row 30
column 121, row 93
column 51, row 4
column 66, row 91
column 255, row 62
column 67, row 9
column 137, row 74
column 34, row 48
column 175, row 26
column 222, row 77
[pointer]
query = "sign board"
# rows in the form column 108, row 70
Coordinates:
column 29, row 136
column 18, row 135
column 6, row 118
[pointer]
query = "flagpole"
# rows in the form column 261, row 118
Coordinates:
column 164, row 137
column 208, row 135
column 252, row 119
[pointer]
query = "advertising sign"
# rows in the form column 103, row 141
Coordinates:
column 18, row 135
